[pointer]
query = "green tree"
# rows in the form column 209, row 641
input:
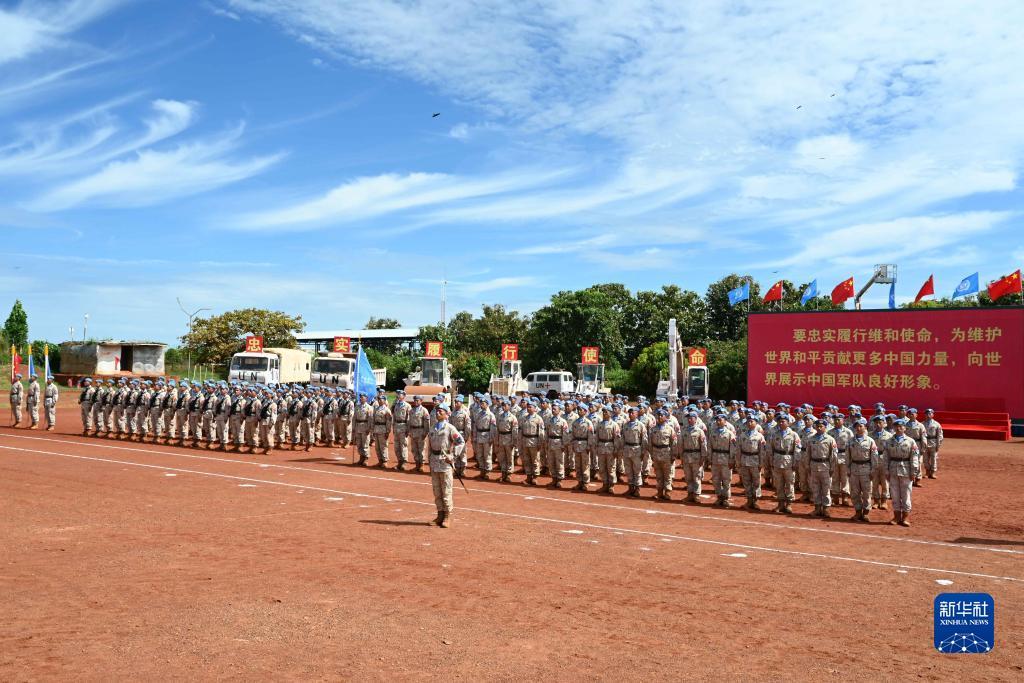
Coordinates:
column 438, row 332
column 727, row 368
column 16, row 327
column 475, row 370
column 650, row 367
column 791, row 295
column 217, row 338
column 39, row 353
column 398, row 366
column 572, row 320
column 382, row 324
column 648, row 313
column 727, row 322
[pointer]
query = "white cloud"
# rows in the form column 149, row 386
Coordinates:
column 153, row 176
column 372, row 196
column 34, row 27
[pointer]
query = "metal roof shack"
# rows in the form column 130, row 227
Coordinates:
column 112, row 357
column 323, row 340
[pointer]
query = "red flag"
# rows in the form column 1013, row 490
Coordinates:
column 842, row 292
column 775, row 293
column 927, row 289
column 1005, row 285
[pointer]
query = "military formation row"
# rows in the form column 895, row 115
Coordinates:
column 782, row 448
column 20, row 400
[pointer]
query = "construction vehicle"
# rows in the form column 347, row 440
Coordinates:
column 591, row 380
column 550, row 383
column 509, row 381
column 334, row 369
column 430, row 378
column 687, row 370
column 885, row 274
column 271, row 366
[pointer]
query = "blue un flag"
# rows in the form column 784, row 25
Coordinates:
column 967, row 286
column 741, row 293
column 809, row 293
column 365, row 383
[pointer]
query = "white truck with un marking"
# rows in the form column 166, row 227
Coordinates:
column 333, row 369
column 271, row 366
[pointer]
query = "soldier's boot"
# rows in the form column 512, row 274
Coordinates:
column 917, row 482
column 857, row 515
column 266, row 451
column 437, row 520
column 446, row 520
column 400, row 467
column 806, row 498
column 361, row 462
column 726, row 503
column 556, row 483
column 580, row 486
column 419, row 467
column 691, row 497
column 883, row 505
column 932, row 475
column 504, row 477
column 607, row 487
column 824, row 511
column 482, row 476
column 905, row 519
column 780, row 507
column 636, row 491
column 817, row 511
column 459, row 471
column 786, row 509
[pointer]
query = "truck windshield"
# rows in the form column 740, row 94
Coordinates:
column 332, row 366
column 248, row 363
column 508, row 368
column 591, row 373
column 695, row 382
column 432, row 371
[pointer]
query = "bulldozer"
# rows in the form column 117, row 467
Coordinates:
column 430, row 378
column 591, row 380
column 687, row 370
column 509, row 381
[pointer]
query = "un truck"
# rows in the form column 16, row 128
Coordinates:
column 271, row 365
column 334, row 369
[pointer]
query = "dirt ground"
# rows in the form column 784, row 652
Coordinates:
column 128, row 560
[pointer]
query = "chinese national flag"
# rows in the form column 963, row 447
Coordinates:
column 775, row 293
column 927, row 289
column 842, row 292
column 1006, row 285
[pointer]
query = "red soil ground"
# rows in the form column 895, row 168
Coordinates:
column 128, row 560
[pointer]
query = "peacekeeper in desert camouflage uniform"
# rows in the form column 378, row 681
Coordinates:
column 582, row 430
column 222, row 417
column 443, row 440
column 822, row 452
column 805, row 430
column 17, row 398
column 841, row 478
column 607, row 445
column 557, row 437
column 748, row 453
column 99, row 402
column 381, row 430
column 531, row 440
column 916, row 431
column 863, row 454
column 508, row 428
column 32, row 402
column 462, row 420
column 661, row 438
column 362, row 422
column 85, row 401
column 400, row 411
column 485, row 431
column 50, row 396
column 902, row 461
column 635, row 443
column 694, row 451
column 267, row 420
column 933, row 442
column 720, row 441
column 418, row 424
column 782, row 451
column 880, row 474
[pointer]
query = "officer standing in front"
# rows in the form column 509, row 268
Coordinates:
column 443, row 439
column 50, row 397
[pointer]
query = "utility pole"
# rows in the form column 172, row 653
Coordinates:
column 191, row 317
column 444, row 300
column 85, row 328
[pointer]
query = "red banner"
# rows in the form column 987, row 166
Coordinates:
column 254, row 344
column 590, row 355
column 969, row 359
column 435, row 349
column 696, row 356
column 510, row 351
column 342, row 344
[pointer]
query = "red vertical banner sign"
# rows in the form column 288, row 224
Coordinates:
column 510, row 351
column 590, row 355
column 254, row 344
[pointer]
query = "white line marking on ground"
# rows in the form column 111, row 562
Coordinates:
column 727, row 518
column 734, row 554
column 571, row 531
column 944, row 582
column 170, row 474
column 646, row 550
column 247, row 486
column 333, row 498
column 535, row 518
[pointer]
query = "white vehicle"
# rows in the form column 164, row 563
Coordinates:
column 684, row 379
column 591, row 380
column 338, row 370
column 271, row 365
column 430, row 378
column 510, row 380
column 550, row 383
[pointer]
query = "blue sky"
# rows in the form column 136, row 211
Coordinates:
column 283, row 153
